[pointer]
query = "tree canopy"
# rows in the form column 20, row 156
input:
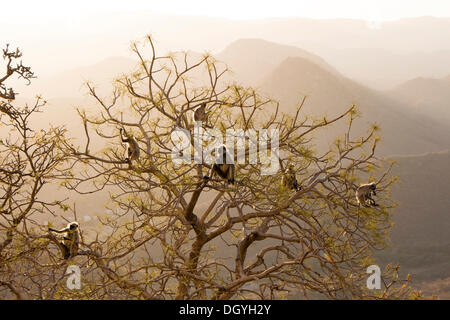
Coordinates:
column 174, row 234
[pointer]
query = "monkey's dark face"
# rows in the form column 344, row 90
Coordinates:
column 373, row 187
column 73, row 226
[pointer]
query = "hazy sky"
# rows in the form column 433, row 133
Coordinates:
column 377, row 10
column 59, row 35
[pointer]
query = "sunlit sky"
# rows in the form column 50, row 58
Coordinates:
column 372, row 10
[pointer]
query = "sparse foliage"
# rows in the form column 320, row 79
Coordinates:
column 176, row 236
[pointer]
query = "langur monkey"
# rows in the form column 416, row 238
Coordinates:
column 289, row 180
column 200, row 113
column 224, row 170
column 71, row 239
column 364, row 194
column 133, row 150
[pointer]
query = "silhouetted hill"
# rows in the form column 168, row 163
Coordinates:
column 427, row 96
column 403, row 132
column 253, row 59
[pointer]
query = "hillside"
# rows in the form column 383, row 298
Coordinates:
column 70, row 83
column 253, row 59
column 424, row 199
column 420, row 236
column 427, row 96
column 403, row 132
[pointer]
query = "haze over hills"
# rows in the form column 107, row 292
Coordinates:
column 285, row 73
column 253, row 59
column 427, row 96
column 403, row 131
column 382, row 56
column 250, row 61
column 71, row 83
column 382, row 69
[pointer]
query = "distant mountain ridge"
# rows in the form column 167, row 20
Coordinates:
column 381, row 56
column 427, row 96
column 253, row 59
column 403, row 131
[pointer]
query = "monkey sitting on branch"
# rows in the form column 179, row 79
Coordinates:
column 200, row 115
column 289, row 179
column 364, row 195
column 133, row 150
column 69, row 245
column 223, row 170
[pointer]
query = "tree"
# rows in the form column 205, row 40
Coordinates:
column 176, row 235
column 30, row 160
